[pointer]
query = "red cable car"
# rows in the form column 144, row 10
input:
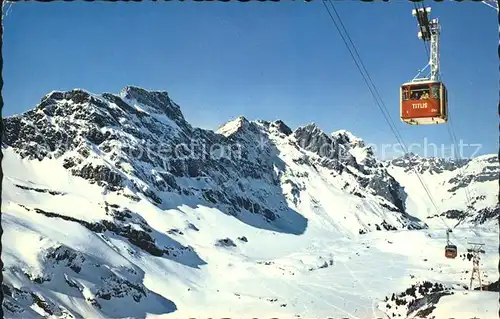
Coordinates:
column 450, row 251
column 424, row 102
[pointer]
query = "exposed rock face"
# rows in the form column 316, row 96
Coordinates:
column 419, row 300
column 433, row 165
column 139, row 140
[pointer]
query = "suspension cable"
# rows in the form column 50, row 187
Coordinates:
column 453, row 138
column 460, row 160
column 377, row 97
column 451, row 133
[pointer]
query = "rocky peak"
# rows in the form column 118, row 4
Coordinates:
column 347, row 138
column 311, row 128
column 339, row 148
column 356, row 146
column 282, row 127
column 64, row 103
column 313, row 139
column 64, row 121
column 277, row 126
column 240, row 124
column 152, row 101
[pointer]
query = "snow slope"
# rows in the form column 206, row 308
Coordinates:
column 104, row 216
column 471, row 304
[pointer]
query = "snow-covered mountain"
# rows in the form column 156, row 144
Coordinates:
column 115, row 206
column 464, row 191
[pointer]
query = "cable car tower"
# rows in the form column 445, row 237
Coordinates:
column 424, row 100
column 429, row 31
column 476, row 272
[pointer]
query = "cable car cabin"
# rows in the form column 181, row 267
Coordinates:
column 450, row 251
column 424, row 102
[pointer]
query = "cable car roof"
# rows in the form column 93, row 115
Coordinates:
column 421, row 82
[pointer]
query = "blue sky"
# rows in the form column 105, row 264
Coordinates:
column 261, row 60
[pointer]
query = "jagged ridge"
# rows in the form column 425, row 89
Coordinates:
column 138, row 143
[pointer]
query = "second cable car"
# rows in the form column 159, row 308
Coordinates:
column 424, row 102
column 450, row 250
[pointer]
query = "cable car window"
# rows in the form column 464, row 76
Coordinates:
column 419, row 92
column 435, row 91
column 406, row 93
